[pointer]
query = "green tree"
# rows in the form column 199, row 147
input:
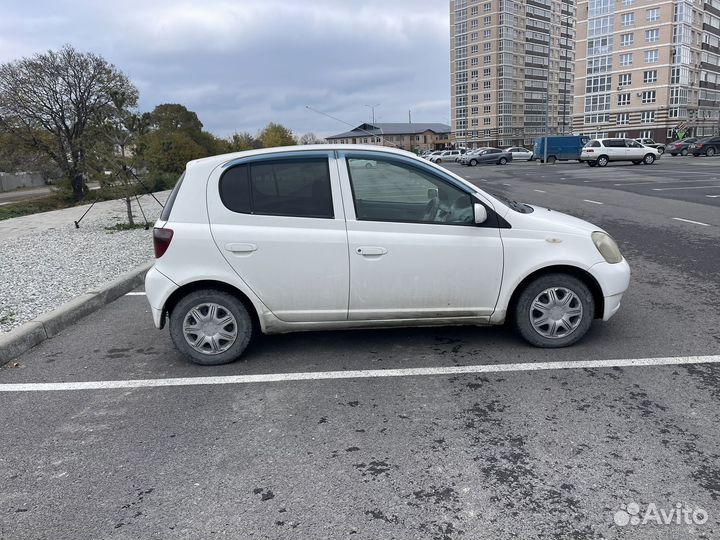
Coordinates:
column 52, row 102
column 239, row 142
column 276, row 135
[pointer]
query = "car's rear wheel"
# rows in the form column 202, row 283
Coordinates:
column 555, row 310
column 602, row 161
column 211, row 327
column 551, row 160
column 683, row 152
column 502, row 161
column 710, row 152
column 649, row 159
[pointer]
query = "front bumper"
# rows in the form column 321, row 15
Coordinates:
column 613, row 280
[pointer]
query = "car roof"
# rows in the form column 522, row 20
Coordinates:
column 224, row 158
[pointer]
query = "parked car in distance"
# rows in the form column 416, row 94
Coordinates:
column 559, row 147
column 520, row 154
column 681, row 147
column 602, row 151
column 258, row 241
column 709, row 146
column 483, row 156
column 660, row 147
column 431, row 154
column 445, row 155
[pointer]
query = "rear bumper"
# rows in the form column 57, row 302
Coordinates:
column 158, row 288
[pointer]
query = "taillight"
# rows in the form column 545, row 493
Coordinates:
column 161, row 241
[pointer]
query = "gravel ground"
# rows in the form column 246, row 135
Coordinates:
column 44, row 269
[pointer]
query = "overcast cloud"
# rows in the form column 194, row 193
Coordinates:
column 241, row 64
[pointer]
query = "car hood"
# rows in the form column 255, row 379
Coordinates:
column 544, row 219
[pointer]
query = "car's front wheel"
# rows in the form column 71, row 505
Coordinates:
column 211, row 327
column 555, row 310
column 649, row 159
column 473, row 162
column 661, row 150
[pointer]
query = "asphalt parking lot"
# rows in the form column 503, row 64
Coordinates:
column 512, row 445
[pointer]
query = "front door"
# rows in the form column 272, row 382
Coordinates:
column 279, row 222
column 415, row 250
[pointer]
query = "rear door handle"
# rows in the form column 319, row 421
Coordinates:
column 241, row 247
column 370, row 250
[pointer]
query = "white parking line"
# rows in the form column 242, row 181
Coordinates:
column 593, row 202
column 712, row 196
column 539, row 190
column 359, row 374
column 135, row 293
column 691, row 221
column 692, row 187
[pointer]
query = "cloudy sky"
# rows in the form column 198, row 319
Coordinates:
column 243, row 63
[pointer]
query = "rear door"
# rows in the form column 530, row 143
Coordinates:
column 278, row 221
column 415, row 251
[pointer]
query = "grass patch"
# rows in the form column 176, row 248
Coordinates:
column 127, row 227
column 8, row 318
column 34, row 206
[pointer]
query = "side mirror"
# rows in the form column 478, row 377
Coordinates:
column 480, row 213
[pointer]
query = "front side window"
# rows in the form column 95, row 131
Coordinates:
column 395, row 191
column 298, row 187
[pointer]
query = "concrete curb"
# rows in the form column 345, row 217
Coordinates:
column 26, row 336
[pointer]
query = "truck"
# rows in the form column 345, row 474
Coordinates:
column 559, row 147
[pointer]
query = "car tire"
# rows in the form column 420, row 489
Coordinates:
column 602, row 161
column 473, row 162
column 683, row 152
column 592, row 164
column 660, row 150
column 710, row 152
column 577, row 315
column 649, row 159
column 551, row 160
column 502, row 161
column 226, row 307
column 438, row 160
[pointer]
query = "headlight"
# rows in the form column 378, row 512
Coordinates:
column 607, row 247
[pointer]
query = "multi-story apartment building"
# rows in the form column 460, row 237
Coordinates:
column 511, row 68
column 647, row 68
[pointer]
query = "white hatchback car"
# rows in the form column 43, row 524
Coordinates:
column 310, row 238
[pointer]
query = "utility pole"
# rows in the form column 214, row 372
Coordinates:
column 372, row 108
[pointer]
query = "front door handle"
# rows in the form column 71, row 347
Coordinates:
column 370, row 250
column 243, row 247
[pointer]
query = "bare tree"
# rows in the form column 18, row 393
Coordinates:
column 311, row 138
column 51, row 102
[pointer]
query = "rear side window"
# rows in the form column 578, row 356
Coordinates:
column 614, row 143
column 593, row 144
column 289, row 187
column 165, row 214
